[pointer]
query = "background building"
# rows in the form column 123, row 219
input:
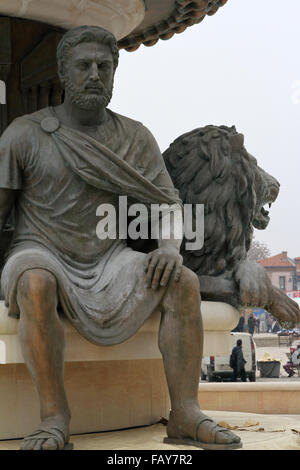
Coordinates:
column 284, row 272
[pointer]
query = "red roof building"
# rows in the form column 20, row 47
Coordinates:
column 284, row 272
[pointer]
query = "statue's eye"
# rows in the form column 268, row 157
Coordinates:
column 83, row 65
column 103, row 66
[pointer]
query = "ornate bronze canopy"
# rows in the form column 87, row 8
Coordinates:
column 165, row 18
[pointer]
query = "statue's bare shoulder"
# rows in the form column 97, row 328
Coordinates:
column 23, row 131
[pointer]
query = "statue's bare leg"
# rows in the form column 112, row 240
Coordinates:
column 181, row 345
column 41, row 336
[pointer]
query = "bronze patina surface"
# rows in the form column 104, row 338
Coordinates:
column 211, row 166
column 57, row 165
column 165, row 18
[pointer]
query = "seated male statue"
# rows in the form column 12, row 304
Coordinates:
column 57, row 166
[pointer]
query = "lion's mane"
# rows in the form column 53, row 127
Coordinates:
column 207, row 170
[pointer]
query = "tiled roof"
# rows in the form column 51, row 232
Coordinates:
column 281, row 260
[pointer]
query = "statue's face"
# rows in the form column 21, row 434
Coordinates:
column 89, row 75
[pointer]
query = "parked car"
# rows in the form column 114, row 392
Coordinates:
column 294, row 332
column 283, row 332
column 217, row 368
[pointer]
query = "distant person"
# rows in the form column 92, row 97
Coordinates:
column 263, row 324
column 251, row 324
column 294, row 361
column 269, row 322
column 240, row 326
column 275, row 326
column 296, row 356
column 237, row 362
column 257, row 325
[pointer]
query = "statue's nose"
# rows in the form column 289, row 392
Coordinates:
column 94, row 72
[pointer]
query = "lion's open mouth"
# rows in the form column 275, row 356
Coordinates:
column 262, row 217
column 265, row 212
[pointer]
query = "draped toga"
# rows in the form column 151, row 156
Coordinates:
column 62, row 175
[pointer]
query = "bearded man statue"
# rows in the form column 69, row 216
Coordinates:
column 57, row 166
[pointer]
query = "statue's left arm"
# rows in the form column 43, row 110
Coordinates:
column 166, row 261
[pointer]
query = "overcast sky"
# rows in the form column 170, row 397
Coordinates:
column 237, row 67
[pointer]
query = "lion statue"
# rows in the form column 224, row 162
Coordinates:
column 211, row 166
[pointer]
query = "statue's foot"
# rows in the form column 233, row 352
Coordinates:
column 52, row 434
column 192, row 427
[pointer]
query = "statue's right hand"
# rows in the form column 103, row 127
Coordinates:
column 160, row 264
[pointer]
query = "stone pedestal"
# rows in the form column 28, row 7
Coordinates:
column 108, row 387
column 218, row 321
column 103, row 395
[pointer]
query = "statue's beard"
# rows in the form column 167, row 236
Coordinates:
column 91, row 101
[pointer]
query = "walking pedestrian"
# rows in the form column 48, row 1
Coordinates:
column 237, row 362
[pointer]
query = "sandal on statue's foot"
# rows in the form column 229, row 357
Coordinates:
column 177, row 436
column 42, row 435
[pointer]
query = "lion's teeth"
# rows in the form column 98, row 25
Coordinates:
column 264, row 210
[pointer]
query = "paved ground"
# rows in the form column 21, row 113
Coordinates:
column 258, row 432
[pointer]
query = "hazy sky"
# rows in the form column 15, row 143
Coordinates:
column 237, row 67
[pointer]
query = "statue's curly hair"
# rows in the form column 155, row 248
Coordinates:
column 84, row 34
column 207, row 169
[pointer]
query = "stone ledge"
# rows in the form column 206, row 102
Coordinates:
column 271, row 340
column 250, row 386
column 262, row 397
column 218, row 320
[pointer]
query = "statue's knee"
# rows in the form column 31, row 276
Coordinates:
column 184, row 295
column 36, row 285
column 189, row 282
